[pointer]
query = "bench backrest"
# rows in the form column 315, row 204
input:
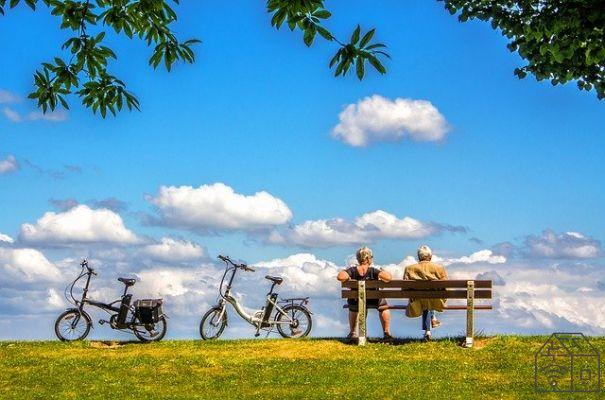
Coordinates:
column 405, row 289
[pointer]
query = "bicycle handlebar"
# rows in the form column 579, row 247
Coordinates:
column 84, row 263
column 228, row 260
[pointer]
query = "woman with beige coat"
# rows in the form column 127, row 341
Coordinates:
column 425, row 270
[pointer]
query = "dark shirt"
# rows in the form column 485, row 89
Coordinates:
column 371, row 275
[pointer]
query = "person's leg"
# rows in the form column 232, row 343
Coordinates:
column 352, row 322
column 434, row 321
column 385, row 321
column 426, row 320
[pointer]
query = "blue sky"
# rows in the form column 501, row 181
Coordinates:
column 256, row 112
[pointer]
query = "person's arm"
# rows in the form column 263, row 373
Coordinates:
column 385, row 276
column 443, row 274
column 406, row 274
column 343, row 276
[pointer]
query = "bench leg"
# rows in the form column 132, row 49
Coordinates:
column 470, row 305
column 362, row 313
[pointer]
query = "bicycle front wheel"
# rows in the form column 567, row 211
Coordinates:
column 294, row 322
column 212, row 324
column 72, row 325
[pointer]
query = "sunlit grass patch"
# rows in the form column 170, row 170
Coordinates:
column 497, row 368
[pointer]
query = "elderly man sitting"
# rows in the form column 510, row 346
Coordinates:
column 427, row 271
column 365, row 271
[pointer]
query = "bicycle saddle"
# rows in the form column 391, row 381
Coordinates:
column 275, row 279
column 127, row 281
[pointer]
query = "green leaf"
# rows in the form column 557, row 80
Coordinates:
column 377, row 64
column 355, row 35
column 309, row 35
column 366, row 38
column 323, row 14
column 360, row 68
column 324, row 33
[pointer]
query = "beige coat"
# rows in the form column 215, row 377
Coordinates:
column 424, row 271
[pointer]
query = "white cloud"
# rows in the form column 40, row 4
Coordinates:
column 528, row 298
column 12, row 115
column 78, row 225
column 305, row 273
column 364, row 229
column 53, row 116
column 218, row 207
column 378, row 119
column 171, row 250
column 9, row 164
column 20, row 266
column 568, row 245
column 8, row 97
column 481, row 256
column 6, row 238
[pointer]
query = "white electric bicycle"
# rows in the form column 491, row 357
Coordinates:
column 290, row 316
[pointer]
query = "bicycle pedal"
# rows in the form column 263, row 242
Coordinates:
column 101, row 322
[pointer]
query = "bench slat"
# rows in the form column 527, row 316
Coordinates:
column 461, row 307
column 417, row 294
column 407, row 284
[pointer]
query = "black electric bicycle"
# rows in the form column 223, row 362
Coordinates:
column 292, row 317
column 145, row 318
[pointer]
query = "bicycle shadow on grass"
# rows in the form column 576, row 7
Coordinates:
column 114, row 344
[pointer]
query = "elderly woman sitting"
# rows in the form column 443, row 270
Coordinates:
column 365, row 271
column 427, row 271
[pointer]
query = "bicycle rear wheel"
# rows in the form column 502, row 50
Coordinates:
column 212, row 324
column 151, row 332
column 299, row 319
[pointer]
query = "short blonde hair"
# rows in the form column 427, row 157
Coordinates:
column 364, row 255
column 424, row 253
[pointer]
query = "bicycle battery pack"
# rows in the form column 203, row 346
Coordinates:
column 268, row 310
column 124, row 307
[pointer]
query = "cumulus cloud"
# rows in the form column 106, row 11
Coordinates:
column 6, row 239
column 110, row 203
column 305, row 273
column 378, row 119
column 78, row 225
column 171, row 250
column 368, row 227
column 528, row 298
column 64, row 204
column 7, row 97
column 482, row 256
column 568, row 245
column 9, row 164
column 16, row 116
column 20, row 266
column 493, row 276
column 218, row 207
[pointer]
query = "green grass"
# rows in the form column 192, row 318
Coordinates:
column 498, row 368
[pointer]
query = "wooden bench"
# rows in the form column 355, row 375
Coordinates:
column 406, row 289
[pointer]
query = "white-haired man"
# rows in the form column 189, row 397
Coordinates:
column 360, row 272
column 425, row 270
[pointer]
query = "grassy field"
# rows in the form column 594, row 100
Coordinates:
column 498, row 368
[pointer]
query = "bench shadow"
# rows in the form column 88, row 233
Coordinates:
column 458, row 340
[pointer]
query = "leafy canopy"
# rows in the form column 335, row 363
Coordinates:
column 84, row 72
column 561, row 40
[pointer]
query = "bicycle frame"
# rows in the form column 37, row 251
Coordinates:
column 259, row 320
column 110, row 308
